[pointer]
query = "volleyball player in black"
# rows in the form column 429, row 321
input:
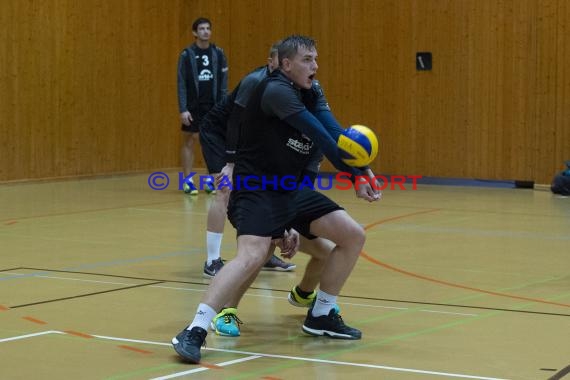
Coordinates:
column 280, row 135
column 218, row 147
column 220, row 129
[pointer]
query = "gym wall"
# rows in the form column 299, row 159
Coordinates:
column 89, row 87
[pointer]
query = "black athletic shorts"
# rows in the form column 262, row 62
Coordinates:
column 194, row 127
column 213, row 149
column 311, row 205
column 270, row 213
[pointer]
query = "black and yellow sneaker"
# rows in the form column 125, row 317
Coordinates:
column 298, row 300
column 189, row 188
column 209, row 187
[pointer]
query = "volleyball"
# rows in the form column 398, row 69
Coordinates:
column 358, row 146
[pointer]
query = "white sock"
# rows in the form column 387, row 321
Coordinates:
column 203, row 317
column 323, row 304
column 213, row 245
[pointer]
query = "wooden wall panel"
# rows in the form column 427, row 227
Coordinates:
column 561, row 149
column 89, row 87
column 92, row 88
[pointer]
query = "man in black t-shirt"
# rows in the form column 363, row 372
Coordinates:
column 202, row 81
column 280, row 135
column 219, row 133
column 218, row 149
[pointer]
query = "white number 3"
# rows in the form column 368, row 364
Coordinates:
column 205, row 60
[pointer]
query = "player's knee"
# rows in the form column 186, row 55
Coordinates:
column 223, row 194
column 360, row 235
column 189, row 143
column 319, row 254
column 250, row 263
column 355, row 236
column 189, row 139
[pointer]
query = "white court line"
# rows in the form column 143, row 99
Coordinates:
column 29, row 336
column 177, row 288
column 448, row 312
column 202, row 369
column 132, row 340
column 83, row 280
column 256, row 355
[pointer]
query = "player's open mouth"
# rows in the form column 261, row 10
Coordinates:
column 311, row 77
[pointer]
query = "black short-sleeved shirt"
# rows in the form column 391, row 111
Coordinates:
column 269, row 147
column 313, row 100
column 282, row 99
column 248, row 84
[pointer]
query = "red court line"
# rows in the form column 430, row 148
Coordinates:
column 442, row 282
column 4, row 308
column 135, row 349
column 382, row 221
column 32, row 319
column 79, row 334
column 10, row 222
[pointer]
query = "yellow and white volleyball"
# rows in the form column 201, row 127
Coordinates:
column 358, row 145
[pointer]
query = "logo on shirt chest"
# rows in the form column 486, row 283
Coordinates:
column 205, row 75
column 302, row 147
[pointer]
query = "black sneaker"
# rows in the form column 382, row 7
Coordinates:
column 188, row 342
column 213, row 269
column 275, row 263
column 330, row 325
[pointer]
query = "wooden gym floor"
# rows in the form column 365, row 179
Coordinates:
column 97, row 275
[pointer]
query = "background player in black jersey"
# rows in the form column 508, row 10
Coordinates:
column 202, row 81
column 280, row 135
column 218, row 150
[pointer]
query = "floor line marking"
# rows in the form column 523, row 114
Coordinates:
column 79, row 334
column 442, row 282
column 29, row 336
column 103, row 209
column 247, row 294
column 83, row 280
column 43, row 272
column 560, row 374
column 455, row 285
column 397, row 217
column 202, row 369
column 134, row 349
column 83, row 295
column 257, row 354
column 35, row 320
